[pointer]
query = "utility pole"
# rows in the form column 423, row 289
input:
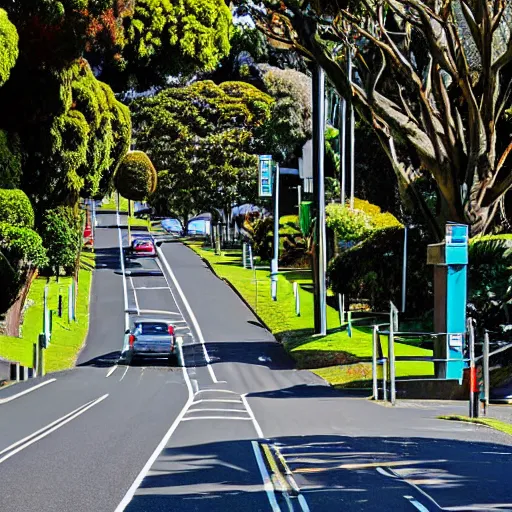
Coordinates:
column 319, row 193
column 274, row 267
column 343, row 147
column 352, row 131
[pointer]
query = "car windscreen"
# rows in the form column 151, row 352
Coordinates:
column 151, row 328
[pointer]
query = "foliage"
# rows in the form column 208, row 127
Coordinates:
column 346, row 223
column 62, row 237
column 160, row 38
column 432, row 81
column 378, row 219
column 290, row 126
column 15, row 208
column 203, row 136
column 21, row 245
column 372, row 270
column 8, row 46
column 136, row 178
column 10, row 160
column 490, row 284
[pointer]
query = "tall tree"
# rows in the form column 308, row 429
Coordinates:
column 201, row 138
column 433, row 81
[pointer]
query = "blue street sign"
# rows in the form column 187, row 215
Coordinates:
column 265, row 175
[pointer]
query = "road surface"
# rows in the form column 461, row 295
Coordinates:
column 236, row 428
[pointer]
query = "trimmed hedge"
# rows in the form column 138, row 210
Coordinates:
column 8, row 46
column 136, row 177
column 15, row 208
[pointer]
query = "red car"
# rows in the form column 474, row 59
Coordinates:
column 143, row 248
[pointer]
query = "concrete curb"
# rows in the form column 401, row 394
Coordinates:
column 240, row 296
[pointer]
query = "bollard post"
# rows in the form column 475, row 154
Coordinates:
column 42, row 369
column 391, row 354
column 486, row 372
column 297, row 298
column 35, row 359
column 384, row 379
column 251, row 260
column 244, row 254
column 374, row 363
column 349, row 326
column 340, row 309
column 473, row 383
column 60, row 305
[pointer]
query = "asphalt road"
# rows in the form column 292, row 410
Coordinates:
column 237, row 428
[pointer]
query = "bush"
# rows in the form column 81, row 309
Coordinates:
column 16, row 209
column 8, row 46
column 136, row 177
column 10, row 160
column 62, row 237
column 373, row 270
column 346, row 223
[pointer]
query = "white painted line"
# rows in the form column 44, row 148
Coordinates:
column 417, row 504
column 124, row 374
column 267, row 483
column 111, row 371
column 221, row 400
column 157, row 312
column 303, row 503
column 55, row 426
column 133, row 488
column 151, row 288
column 216, row 391
column 216, row 418
column 190, row 411
column 135, row 296
column 189, row 310
column 34, row 434
column 29, row 390
column 253, row 418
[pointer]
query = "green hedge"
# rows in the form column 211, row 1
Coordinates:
column 136, row 177
column 8, row 46
column 15, row 208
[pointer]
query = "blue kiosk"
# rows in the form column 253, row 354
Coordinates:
column 450, row 261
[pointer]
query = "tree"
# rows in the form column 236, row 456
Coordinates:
column 433, row 82
column 136, row 178
column 8, row 46
column 203, row 136
column 162, row 38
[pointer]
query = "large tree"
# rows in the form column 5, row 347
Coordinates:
column 202, row 139
column 433, row 81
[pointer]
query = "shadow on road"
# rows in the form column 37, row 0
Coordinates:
column 333, row 473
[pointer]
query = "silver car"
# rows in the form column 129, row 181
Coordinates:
column 151, row 338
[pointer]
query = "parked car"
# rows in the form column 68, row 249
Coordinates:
column 143, row 247
column 151, row 338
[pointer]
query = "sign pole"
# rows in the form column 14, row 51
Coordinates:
column 275, row 260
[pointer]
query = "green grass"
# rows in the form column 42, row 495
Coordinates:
column 296, row 333
column 67, row 339
column 136, row 222
column 112, row 205
column 488, row 422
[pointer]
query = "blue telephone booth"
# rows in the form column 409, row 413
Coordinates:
column 450, row 261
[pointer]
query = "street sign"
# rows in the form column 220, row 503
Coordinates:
column 265, row 175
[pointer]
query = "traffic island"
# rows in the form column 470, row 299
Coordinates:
column 487, row 422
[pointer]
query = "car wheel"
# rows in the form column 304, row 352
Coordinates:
column 173, row 360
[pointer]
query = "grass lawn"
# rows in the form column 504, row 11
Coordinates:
column 296, row 333
column 488, row 422
column 67, row 339
column 135, row 222
column 112, row 204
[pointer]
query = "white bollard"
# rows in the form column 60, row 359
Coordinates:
column 297, row 298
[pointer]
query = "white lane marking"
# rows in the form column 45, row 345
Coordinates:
column 253, row 418
column 61, row 423
column 124, row 374
column 267, row 484
column 29, row 390
column 417, row 504
column 385, row 473
column 158, row 312
column 133, row 488
column 303, row 503
column 189, row 310
column 135, row 296
column 190, row 411
column 37, row 432
column 111, row 371
column 230, row 418
column 195, row 385
column 216, row 391
column 151, row 288
column 222, row 400
column 121, row 259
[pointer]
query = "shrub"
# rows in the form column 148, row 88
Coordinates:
column 61, row 232
column 372, row 270
column 15, row 208
column 136, row 177
column 10, row 160
column 346, row 223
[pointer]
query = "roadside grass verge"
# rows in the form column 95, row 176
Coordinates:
column 112, row 205
column 67, row 338
column 488, row 422
column 323, row 354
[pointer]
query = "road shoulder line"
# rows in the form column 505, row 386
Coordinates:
column 25, row 392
